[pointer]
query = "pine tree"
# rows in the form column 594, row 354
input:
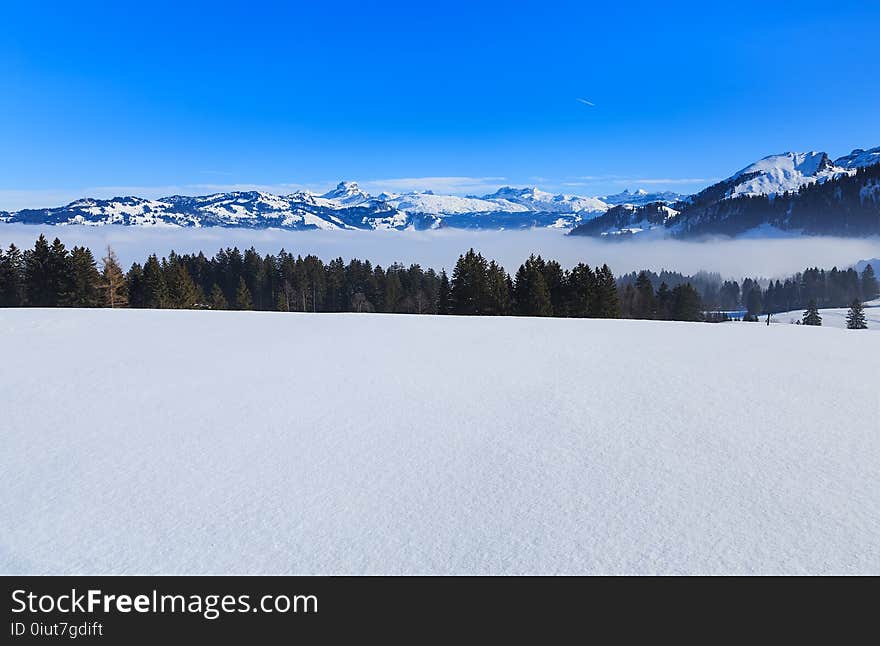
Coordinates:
column 870, row 287
column 134, row 286
column 38, row 277
column 531, row 296
column 60, row 273
column 581, row 290
column 218, row 300
column 855, row 318
column 644, row 303
column 499, row 290
column 607, row 302
column 665, row 302
column 811, row 316
column 443, row 293
column 182, row 291
column 12, row 278
column 469, row 293
column 113, row 283
column 155, row 290
column 686, row 303
column 243, row 296
column 83, row 283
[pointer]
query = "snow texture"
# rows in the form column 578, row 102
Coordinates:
column 241, row 442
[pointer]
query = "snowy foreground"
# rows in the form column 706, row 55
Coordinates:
column 227, row 442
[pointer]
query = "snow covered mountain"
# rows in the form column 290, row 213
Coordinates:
column 640, row 197
column 749, row 199
column 790, row 192
column 780, row 173
column 345, row 207
column 859, row 158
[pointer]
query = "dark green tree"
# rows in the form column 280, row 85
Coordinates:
column 155, row 290
column 811, row 316
column 218, row 300
column 607, row 301
column 243, row 296
column 870, row 289
column 182, row 291
column 686, row 303
column 12, row 278
column 443, row 294
column 855, row 318
column 469, row 292
column 644, row 303
column 84, row 281
column 581, row 290
column 531, row 296
column 39, row 282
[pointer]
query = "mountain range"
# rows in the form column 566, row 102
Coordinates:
column 792, row 193
column 798, row 192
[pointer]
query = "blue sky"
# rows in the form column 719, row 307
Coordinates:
column 154, row 97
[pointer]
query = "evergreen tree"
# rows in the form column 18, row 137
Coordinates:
column 60, row 273
column 12, row 278
column 469, row 292
column 39, row 283
column 607, row 302
column 665, row 302
column 134, row 286
column 182, row 291
column 754, row 302
column 155, row 290
column 870, row 288
column 531, row 296
column 499, row 290
column 554, row 278
column 113, row 283
column 811, row 316
column 855, row 318
column 218, row 300
column 686, row 303
column 581, row 290
column 83, row 282
column 443, row 294
column 644, row 304
column 243, row 296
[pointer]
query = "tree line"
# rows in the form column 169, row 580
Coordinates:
column 50, row 275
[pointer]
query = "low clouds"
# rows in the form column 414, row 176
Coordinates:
column 767, row 258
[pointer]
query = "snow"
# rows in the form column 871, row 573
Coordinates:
column 834, row 317
column 448, row 204
column 859, row 158
column 780, row 173
column 241, row 442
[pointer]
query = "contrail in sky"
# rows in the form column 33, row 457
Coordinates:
column 585, row 102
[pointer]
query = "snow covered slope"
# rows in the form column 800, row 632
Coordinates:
column 859, row 158
column 833, row 316
column 780, row 173
column 226, row 442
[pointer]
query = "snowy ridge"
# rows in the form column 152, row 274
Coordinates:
column 640, row 197
column 347, row 206
column 781, row 173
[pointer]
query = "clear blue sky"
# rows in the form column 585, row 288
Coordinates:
column 155, row 96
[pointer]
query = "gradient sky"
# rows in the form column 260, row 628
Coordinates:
column 155, row 98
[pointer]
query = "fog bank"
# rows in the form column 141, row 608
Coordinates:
column 768, row 257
